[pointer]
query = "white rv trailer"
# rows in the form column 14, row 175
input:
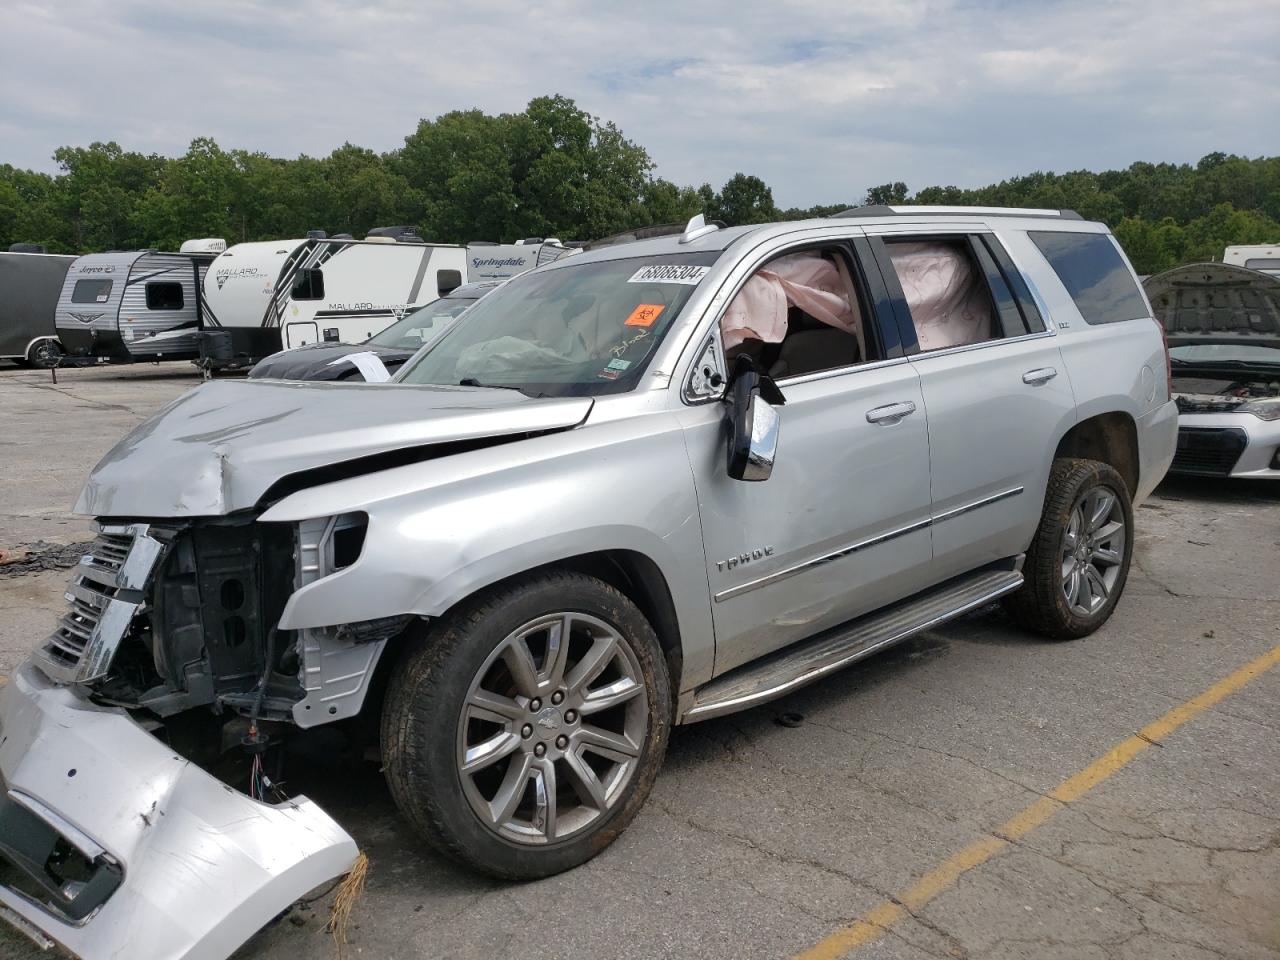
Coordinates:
column 278, row 294
column 501, row 261
column 30, row 283
column 136, row 305
column 1257, row 256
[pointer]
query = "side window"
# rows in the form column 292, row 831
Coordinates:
column 1094, row 273
column 947, row 291
column 308, row 284
column 91, row 291
column 798, row 314
column 165, row 295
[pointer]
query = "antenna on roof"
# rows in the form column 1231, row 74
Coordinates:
column 697, row 227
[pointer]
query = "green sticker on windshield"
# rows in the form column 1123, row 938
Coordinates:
column 616, row 364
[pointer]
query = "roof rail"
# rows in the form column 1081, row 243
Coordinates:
column 883, row 210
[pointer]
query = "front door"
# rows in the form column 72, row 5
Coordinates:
column 842, row 525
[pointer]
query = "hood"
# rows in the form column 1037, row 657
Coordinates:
column 220, row 447
column 1203, row 303
column 316, row 362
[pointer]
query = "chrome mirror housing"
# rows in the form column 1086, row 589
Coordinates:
column 754, row 422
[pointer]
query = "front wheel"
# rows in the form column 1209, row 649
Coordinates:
column 1078, row 563
column 523, row 734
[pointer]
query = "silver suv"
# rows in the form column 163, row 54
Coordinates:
column 655, row 483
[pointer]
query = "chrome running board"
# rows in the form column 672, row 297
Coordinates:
column 810, row 660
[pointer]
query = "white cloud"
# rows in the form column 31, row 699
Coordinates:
column 820, row 99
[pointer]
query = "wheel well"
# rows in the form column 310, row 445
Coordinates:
column 1109, row 437
column 642, row 581
column 638, row 577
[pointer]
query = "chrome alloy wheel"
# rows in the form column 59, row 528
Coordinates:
column 552, row 728
column 1092, row 551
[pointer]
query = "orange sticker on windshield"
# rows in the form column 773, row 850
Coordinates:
column 644, row 315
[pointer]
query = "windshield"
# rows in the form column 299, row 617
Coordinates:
column 414, row 329
column 1226, row 353
column 578, row 330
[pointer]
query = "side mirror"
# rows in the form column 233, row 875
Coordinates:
column 753, row 422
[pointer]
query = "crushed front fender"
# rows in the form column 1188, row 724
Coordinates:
column 149, row 856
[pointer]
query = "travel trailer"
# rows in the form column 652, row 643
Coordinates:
column 30, row 282
column 278, row 294
column 501, row 261
column 124, row 306
column 1257, row 256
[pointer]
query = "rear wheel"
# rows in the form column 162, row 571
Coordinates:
column 1078, row 563
column 523, row 734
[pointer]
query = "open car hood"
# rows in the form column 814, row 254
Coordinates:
column 1203, row 303
column 220, row 447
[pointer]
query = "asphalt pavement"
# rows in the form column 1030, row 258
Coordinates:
column 973, row 793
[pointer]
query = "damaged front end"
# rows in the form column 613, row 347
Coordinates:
column 115, row 837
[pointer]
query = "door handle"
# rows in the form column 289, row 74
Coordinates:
column 891, row 413
column 1037, row 377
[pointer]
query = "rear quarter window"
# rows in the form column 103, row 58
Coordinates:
column 1094, row 273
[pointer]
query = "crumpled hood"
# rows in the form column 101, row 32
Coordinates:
column 220, row 447
column 1205, row 303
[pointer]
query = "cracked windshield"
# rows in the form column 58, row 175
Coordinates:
column 579, row 330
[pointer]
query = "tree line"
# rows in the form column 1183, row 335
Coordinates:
column 556, row 170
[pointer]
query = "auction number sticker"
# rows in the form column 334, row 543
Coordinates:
column 660, row 273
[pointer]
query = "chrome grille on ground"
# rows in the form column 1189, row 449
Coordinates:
column 105, row 592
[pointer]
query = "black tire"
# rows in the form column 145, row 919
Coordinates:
column 422, row 714
column 44, row 354
column 1041, row 604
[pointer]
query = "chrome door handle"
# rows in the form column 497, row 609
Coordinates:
column 1042, row 375
column 891, row 413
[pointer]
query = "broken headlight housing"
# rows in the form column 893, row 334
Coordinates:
column 1267, row 408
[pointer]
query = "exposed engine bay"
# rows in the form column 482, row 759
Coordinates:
column 1220, row 394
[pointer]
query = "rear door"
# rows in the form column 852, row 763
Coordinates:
column 994, row 384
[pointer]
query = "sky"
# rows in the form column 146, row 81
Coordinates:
column 819, row 98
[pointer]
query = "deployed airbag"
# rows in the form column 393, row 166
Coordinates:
column 805, row 280
column 949, row 306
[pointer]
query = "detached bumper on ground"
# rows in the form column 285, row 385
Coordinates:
column 112, row 845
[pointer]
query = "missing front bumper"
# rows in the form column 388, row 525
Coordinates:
column 197, row 866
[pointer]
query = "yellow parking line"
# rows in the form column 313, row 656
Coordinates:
column 876, row 923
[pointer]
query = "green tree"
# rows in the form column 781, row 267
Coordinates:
column 887, row 194
column 744, row 199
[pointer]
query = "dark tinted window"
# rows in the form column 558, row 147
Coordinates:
column 308, row 285
column 91, row 291
column 1095, row 275
column 164, row 296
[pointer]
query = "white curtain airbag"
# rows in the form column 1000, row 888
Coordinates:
column 949, row 305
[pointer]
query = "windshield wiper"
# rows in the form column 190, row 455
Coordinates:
column 473, row 382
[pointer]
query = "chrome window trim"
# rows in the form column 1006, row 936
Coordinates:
column 840, row 371
column 981, row 345
column 791, row 571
